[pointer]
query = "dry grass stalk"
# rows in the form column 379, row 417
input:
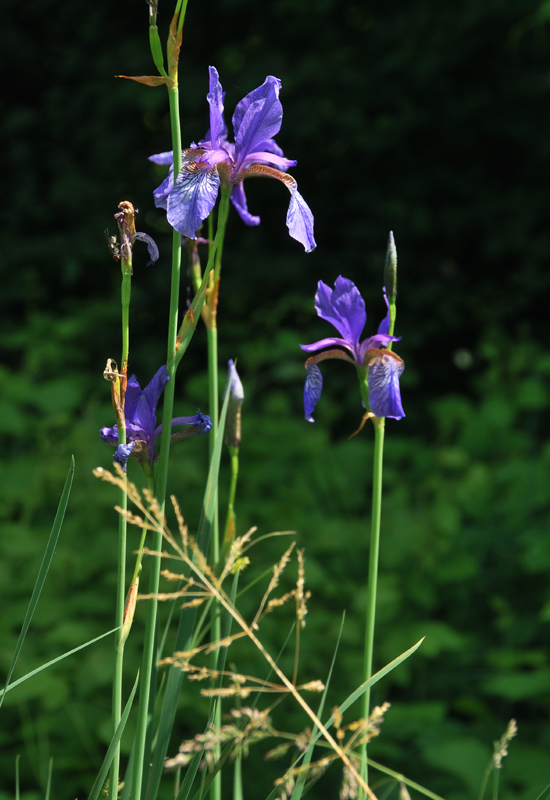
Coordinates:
column 190, row 554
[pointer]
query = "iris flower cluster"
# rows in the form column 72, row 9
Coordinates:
column 344, row 308
column 189, row 199
column 140, row 411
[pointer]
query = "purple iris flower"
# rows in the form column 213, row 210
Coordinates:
column 257, row 118
column 344, row 308
column 140, row 409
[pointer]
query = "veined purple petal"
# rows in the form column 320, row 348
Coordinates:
column 162, row 192
column 383, row 375
column 123, row 453
column 192, row 198
column 257, row 117
column 312, row 390
column 215, row 101
column 163, row 158
column 343, row 307
column 238, row 198
column 299, row 220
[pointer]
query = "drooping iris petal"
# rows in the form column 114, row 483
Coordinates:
column 383, row 374
column 192, row 198
column 238, row 198
column 197, row 424
column 299, row 220
column 313, row 388
column 162, row 192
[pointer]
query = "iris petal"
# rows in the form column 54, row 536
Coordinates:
column 192, row 198
column 383, row 375
column 257, row 117
column 343, row 307
column 312, row 390
column 299, row 220
column 238, row 198
column 122, row 454
column 215, row 101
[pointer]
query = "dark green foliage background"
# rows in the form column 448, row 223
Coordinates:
column 426, row 119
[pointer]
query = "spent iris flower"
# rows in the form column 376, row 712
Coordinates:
column 214, row 161
column 344, row 308
column 140, row 409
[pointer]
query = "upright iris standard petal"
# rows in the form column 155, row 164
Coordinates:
column 140, row 412
column 257, row 118
column 215, row 101
column 190, row 198
column 344, row 308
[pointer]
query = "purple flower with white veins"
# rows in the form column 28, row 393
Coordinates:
column 215, row 160
column 344, row 308
column 140, row 409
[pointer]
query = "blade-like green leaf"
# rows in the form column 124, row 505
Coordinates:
column 105, row 767
column 54, row 661
column 42, row 573
column 401, row 779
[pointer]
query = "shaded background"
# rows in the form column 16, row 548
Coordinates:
column 430, row 121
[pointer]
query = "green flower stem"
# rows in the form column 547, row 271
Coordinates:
column 214, row 409
column 161, row 479
column 379, row 428
column 213, row 395
column 122, row 533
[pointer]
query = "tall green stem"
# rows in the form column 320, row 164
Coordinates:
column 379, row 428
column 213, row 393
column 161, row 480
column 122, row 533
